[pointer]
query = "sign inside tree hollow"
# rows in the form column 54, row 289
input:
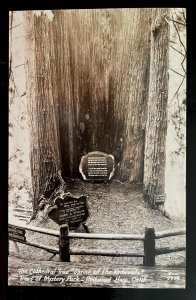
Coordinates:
column 97, row 166
column 69, row 210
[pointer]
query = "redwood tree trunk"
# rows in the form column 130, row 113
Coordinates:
column 154, row 163
column 43, row 116
column 137, row 66
column 88, row 79
column 102, row 69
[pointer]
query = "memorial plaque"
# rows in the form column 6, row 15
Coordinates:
column 159, row 198
column 16, row 233
column 97, row 166
column 69, row 210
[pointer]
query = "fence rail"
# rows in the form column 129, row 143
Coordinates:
column 163, row 234
column 100, row 252
column 167, row 250
column 38, row 229
column 149, row 251
column 50, row 249
column 106, row 236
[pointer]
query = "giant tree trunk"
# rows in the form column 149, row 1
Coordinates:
column 135, row 83
column 43, row 116
column 102, row 68
column 156, row 127
column 88, row 78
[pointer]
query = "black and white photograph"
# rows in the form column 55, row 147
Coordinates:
column 97, row 148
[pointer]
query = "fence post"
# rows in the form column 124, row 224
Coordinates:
column 64, row 243
column 149, row 247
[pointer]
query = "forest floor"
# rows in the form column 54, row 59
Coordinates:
column 114, row 207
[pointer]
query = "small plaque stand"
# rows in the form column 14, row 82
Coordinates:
column 70, row 210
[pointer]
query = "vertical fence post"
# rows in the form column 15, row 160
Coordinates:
column 149, row 247
column 64, row 243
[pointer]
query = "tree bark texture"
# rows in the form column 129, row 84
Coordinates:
column 102, row 65
column 88, row 79
column 156, row 127
column 42, row 105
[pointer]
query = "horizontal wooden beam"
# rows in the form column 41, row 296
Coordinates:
column 23, row 209
column 50, row 249
column 101, row 252
column 105, row 236
column 21, row 215
column 163, row 234
column 37, row 229
column 167, row 250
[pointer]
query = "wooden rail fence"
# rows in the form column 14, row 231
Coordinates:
column 149, row 251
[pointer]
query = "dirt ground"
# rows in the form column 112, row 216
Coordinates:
column 114, row 207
